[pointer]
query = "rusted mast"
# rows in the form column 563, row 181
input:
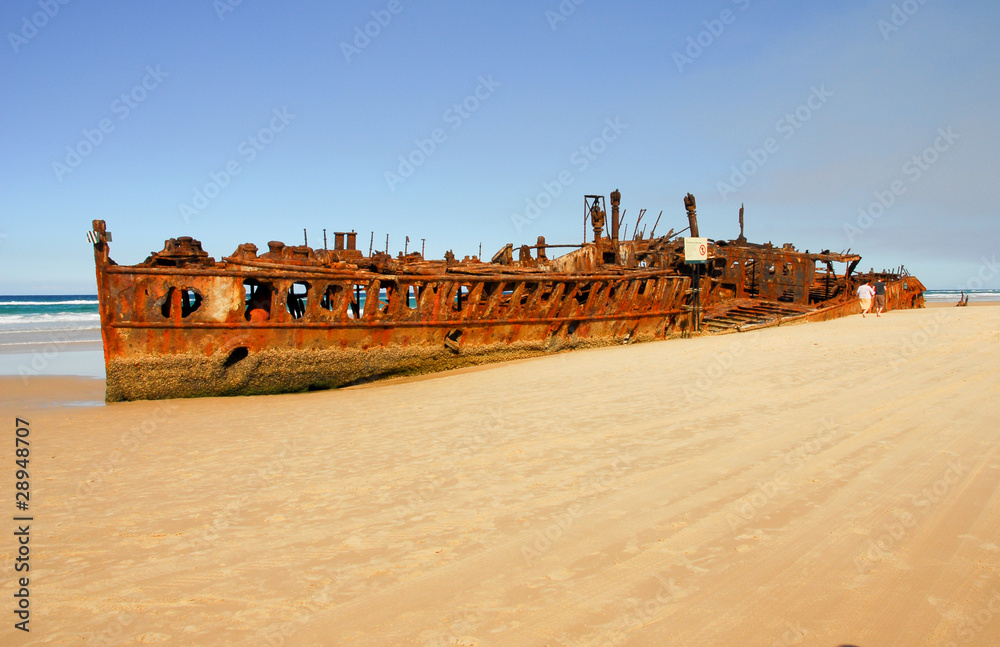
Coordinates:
column 690, row 206
column 616, row 199
column 597, row 217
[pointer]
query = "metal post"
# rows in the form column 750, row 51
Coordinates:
column 691, row 208
column 653, row 230
column 697, row 297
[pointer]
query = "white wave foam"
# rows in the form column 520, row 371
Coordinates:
column 50, row 322
column 51, row 317
column 75, row 302
column 953, row 295
column 49, row 343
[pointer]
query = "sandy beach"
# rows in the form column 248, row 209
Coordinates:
column 829, row 484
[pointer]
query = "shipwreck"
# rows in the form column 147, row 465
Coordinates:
column 295, row 318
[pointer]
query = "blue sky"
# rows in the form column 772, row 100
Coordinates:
column 868, row 125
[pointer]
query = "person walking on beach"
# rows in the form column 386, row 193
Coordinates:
column 865, row 294
column 879, row 297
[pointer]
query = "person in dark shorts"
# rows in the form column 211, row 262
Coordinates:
column 879, row 297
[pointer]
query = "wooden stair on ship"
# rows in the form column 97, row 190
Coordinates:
column 750, row 314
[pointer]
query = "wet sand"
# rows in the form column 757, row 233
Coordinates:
column 949, row 304
column 829, row 484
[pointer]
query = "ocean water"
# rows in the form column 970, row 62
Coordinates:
column 50, row 335
column 48, row 313
column 61, row 334
column 952, row 296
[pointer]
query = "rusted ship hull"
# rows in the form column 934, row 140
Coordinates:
column 761, row 285
column 219, row 353
column 745, row 315
column 181, row 324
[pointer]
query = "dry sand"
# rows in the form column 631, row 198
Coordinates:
column 822, row 484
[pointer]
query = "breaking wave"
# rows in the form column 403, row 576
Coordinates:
column 71, row 302
column 49, row 322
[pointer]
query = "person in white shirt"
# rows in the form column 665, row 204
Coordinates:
column 865, row 294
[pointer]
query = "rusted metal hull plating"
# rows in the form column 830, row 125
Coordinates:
column 181, row 324
column 219, row 352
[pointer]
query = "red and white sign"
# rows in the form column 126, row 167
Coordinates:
column 695, row 250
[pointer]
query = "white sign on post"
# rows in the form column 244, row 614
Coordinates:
column 695, row 250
